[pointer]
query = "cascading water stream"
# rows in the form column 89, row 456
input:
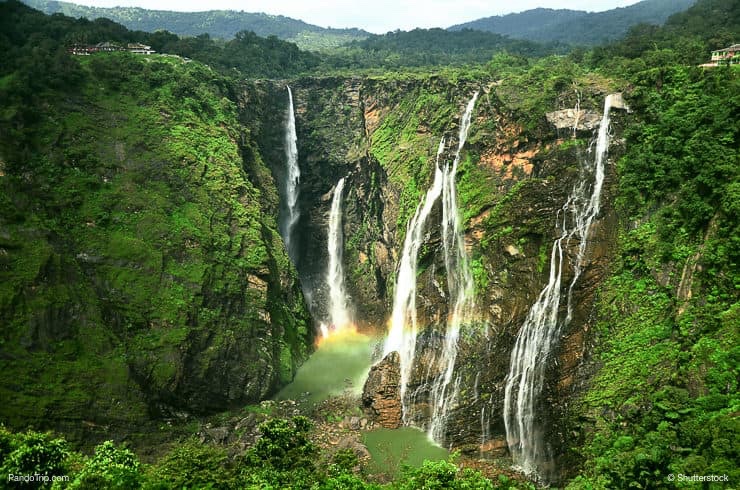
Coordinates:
column 593, row 206
column 293, row 177
column 403, row 328
column 459, row 284
column 538, row 334
column 339, row 316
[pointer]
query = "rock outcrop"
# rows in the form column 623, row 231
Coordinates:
column 577, row 119
column 381, row 396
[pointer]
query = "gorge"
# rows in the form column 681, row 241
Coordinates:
column 432, row 281
column 211, row 279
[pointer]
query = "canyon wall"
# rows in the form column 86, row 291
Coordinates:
column 515, row 175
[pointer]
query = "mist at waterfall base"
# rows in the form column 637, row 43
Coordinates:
column 537, row 338
column 340, row 363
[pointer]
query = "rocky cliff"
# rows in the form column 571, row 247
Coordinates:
column 514, row 178
column 142, row 273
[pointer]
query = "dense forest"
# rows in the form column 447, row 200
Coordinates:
column 218, row 24
column 143, row 277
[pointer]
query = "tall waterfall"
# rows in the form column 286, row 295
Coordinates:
column 537, row 336
column 459, row 284
column 403, row 328
column 293, row 177
column 339, row 316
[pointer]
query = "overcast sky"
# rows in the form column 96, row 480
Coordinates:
column 378, row 16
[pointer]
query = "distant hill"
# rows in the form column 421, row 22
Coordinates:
column 426, row 47
column 575, row 26
column 223, row 24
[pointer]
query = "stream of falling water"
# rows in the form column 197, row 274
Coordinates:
column 540, row 331
column 339, row 317
column 459, row 285
column 403, row 328
column 293, row 177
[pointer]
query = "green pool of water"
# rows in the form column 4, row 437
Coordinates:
column 392, row 448
column 340, row 363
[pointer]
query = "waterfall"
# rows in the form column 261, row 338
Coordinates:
column 459, row 284
column 339, row 317
column 292, row 180
column 403, row 328
column 403, row 325
column 538, row 334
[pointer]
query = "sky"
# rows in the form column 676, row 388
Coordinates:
column 377, row 16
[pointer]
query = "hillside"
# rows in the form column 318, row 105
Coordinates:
column 139, row 241
column 577, row 27
column 537, row 258
column 434, row 47
column 220, row 24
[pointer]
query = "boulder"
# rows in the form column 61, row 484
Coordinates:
column 381, row 396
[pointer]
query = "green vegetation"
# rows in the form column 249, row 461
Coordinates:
column 218, row 24
column 664, row 399
column 428, row 47
column 142, row 277
column 250, row 55
column 283, row 457
column 577, row 27
column 686, row 39
column 129, row 224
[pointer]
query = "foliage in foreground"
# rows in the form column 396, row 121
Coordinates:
column 283, row 457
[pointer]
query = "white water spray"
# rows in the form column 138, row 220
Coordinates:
column 338, row 310
column 538, row 334
column 403, row 328
column 459, row 285
column 292, row 180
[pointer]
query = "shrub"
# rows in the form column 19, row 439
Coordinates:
column 33, row 454
column 110, row 467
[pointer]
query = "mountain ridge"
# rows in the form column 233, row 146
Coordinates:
column 577, row 26
column 223, row 24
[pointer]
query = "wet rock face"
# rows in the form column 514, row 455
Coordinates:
column 511, row 189
column 381, row 396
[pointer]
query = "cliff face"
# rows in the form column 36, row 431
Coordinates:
column 512, row 182
column 165, row 290
column 142, row 272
